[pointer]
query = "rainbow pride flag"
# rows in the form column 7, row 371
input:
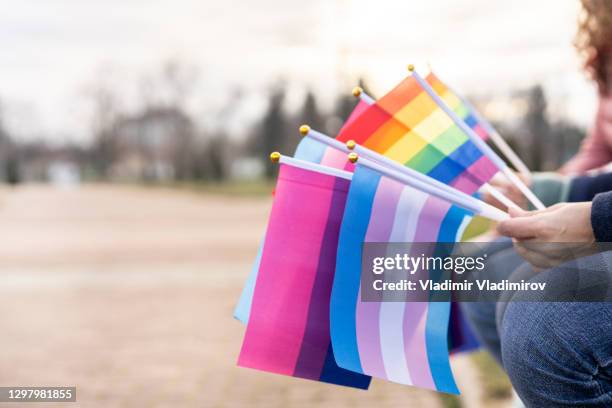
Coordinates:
column 404, row 342
column 408, row 126
column 456, row 104
column 309, row 150
column 288, row 327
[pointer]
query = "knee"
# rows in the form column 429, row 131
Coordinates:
column 528, row 347
column 547, row 354
column 523, row 337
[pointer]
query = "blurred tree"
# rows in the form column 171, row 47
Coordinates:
column 216, row 154
column 104, row 117
column 9, row 155
column 309, row 114
column 273, row 126
column 538, row 130
column 171, row 85
column 345, row 103
column 567, row 138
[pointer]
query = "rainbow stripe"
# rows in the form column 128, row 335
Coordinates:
column 288, row 329
column 407, row 125
column 401, row 342
column 456, row 104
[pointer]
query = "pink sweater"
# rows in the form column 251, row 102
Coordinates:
column 596, row 149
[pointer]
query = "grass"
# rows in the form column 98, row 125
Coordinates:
column 257, row 188
column 479, row 225
column 496, row 384
column 450, row 401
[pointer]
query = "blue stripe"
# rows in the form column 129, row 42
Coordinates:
column 310, row 150
column 348, row 267
column 243, row 308
column 470, row 120
column 466, row 154
column 339, row 376
column 438, row 314
column 447, row 170
column 462, row 337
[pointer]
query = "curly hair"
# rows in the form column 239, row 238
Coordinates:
column 594, row 41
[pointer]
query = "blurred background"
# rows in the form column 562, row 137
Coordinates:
column 135, row 183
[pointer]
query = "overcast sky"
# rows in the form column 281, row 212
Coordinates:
column 51, row 49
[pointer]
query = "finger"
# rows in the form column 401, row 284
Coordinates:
column 489, row 199
column 536, row 259
column 519, row 227
column 517, row 212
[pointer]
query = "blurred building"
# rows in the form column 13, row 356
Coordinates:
column 153, row 146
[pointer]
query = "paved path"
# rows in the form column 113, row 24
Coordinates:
column 127, row 293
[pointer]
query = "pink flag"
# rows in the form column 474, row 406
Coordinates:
column 288, row 328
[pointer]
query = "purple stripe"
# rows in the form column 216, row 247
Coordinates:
column 415, row 316
column 316, row 339
column 382, row 218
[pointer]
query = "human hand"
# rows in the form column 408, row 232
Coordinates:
column 501, row 183
column 548, row 237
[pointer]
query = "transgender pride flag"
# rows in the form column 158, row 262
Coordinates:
column 288, row 327
column 401, row 342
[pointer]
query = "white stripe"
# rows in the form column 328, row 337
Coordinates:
column 466, row 221
column 391, row 315
column 416, row 200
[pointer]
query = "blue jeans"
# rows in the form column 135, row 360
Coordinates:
column 557, row 354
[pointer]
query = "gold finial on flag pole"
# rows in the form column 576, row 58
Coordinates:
column 350, row 144
column 352, row 157
column 357, row 91
column 410, row 67
column 304, row 129
column 275, row 157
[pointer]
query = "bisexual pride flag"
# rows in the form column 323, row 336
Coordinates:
column 309, row 150
column 408, row 126
column 404, row 342
column 288, row 328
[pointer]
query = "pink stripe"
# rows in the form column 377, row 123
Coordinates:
column 288, row 267
column 334, row 158
column 480, row 132
column 483, row 169
column 367, row 313
column 358, row 110
column 466, row 183
column 479, row 172
column 431, row 217
column 415, row 321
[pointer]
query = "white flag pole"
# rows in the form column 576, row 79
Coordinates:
column 276, row 157
column 476, row 206
column 402, row 172
column 482, row 146
column 498, row 140
column 486, row 188
column 359, row 93
column 498, row 195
